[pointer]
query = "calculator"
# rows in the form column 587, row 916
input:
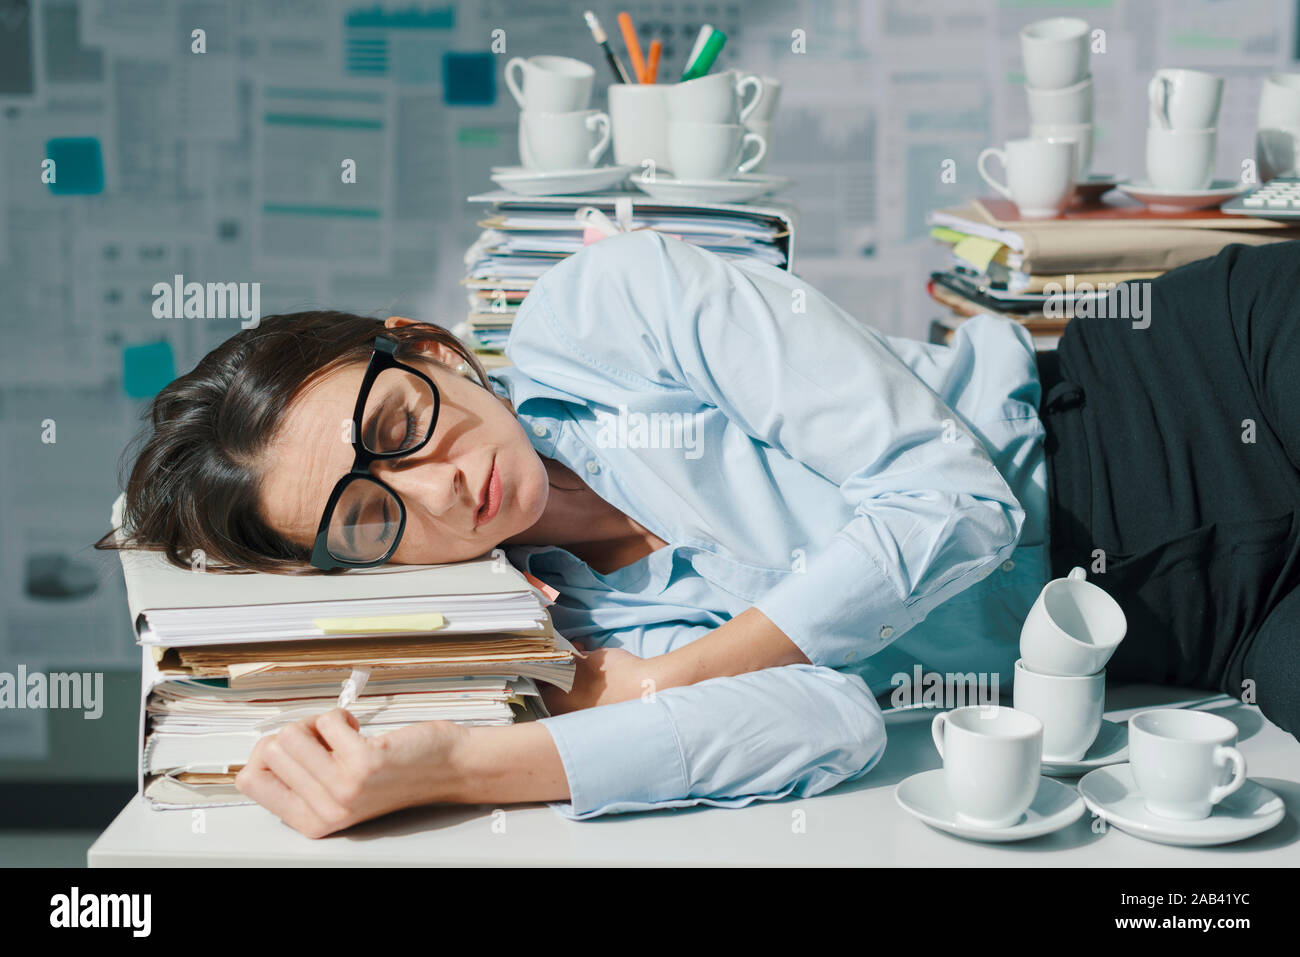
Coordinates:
column 1277, row 199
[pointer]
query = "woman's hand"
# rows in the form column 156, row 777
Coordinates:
column 320, row 775
column 604, row 676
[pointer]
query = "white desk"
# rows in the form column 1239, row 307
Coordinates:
column 858, row 823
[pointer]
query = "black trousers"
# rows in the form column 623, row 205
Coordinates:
column 1173, row 451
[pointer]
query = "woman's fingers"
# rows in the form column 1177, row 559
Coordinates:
column 257, row 781
column 342, row 733
column 300, row 760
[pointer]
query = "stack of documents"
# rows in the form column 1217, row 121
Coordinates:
column 228, row 658
column 523, row 236
column 1044, row 272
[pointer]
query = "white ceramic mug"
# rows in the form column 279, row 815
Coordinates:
column 638, row 113
column 1070, row 708
column 1185, row 99
column 1055, row 52
column 716, row 98
column 1072, row 629
column 1040, row 175
column 1179, row 759
column 1279, row 101
column 1180, row 159
column 550, row 84
column 1070, row 104
column 1080, row 134
column 1276, row 151
column 992, row 760
column 562, row 141
column 711, row 151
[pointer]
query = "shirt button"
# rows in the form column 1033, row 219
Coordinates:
column 1008, row 565
column 539, row 430
column 886, row 631
column 592, row 467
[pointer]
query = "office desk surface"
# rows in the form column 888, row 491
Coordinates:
column 856, row 824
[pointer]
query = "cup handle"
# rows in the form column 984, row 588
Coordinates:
column 757, row 158
column 1224, row 755
column 516, row 90
column 1158, row 94
column 750, row 79
column 936, row 731
column 979, row 165
column 1078, row 574
column 598, row 120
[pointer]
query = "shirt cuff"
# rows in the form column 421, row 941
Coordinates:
column 839, row 608
column 623, row 756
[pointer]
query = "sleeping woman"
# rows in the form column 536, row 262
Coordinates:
column 802, row 510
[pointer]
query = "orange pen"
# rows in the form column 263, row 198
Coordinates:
column 652, row 61
column 633, row 47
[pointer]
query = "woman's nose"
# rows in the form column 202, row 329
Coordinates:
column 432, row 486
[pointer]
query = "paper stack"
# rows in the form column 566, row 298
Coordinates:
column 523, row 236
column 1044, row 272
column 229, row 658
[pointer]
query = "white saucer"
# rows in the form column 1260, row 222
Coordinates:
column 925, row 795
column 738, row 190
column 1220, row 191
column 1111, row 793
column 559, row 182
column 1109, row 747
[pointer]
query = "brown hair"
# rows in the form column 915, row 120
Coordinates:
column 195, row 484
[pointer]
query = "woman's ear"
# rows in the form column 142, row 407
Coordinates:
column 434, row 350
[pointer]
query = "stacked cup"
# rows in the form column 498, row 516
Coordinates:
column 1068, row 637
column 760, row 118
column 1277, row 141
column 557, row 131
column 707, row 138
column 1058, row 82
column 1183, row 129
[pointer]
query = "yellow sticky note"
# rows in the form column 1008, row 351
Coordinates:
column 977, row 251
column 380, row 624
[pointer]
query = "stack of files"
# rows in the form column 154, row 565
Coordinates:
column 523, row 236
column 228, row 658
column 1042, row 272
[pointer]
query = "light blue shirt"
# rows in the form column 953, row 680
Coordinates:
column 882, row 500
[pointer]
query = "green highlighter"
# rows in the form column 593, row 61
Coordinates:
column 708, row 54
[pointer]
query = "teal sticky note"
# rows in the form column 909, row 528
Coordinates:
column 78, row 165
column 147, row 368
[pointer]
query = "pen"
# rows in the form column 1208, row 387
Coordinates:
column 633, row 47
column 598, row 34
column 652, row 61
column 708, row 54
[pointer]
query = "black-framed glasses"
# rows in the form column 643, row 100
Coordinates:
column 395, row 415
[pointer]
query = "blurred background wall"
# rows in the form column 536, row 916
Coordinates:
column 171, row 162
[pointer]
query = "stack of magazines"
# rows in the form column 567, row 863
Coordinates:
column 228, row 658
column 523, row 236
column 1045, row 272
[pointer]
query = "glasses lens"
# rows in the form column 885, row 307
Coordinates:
column 399, row 412
column 366, row 521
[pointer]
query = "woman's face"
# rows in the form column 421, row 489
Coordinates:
column 444, row 486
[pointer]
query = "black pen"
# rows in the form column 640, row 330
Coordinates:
column 599, row 34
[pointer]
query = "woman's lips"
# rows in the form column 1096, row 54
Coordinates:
column 492, row 498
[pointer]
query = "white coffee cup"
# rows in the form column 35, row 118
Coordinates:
column 1185, row 99
column 716, row 98
column 1040, row 175
column 1276, row 151
column 1080, row 134
column 1180, row 159
column 765, row 109
column 1055, row 52
column 711, row 151
column 638, row 113
column 1279, row 101
column 550, row 84
column 1070, row 104
column 764, row 129
column 1179, row 758
column 992, row 759
column 1072, row 629
column 1070, row 708
column 562, row 141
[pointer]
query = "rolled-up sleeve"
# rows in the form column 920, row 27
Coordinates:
column 796, row 730
column 931, row 514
